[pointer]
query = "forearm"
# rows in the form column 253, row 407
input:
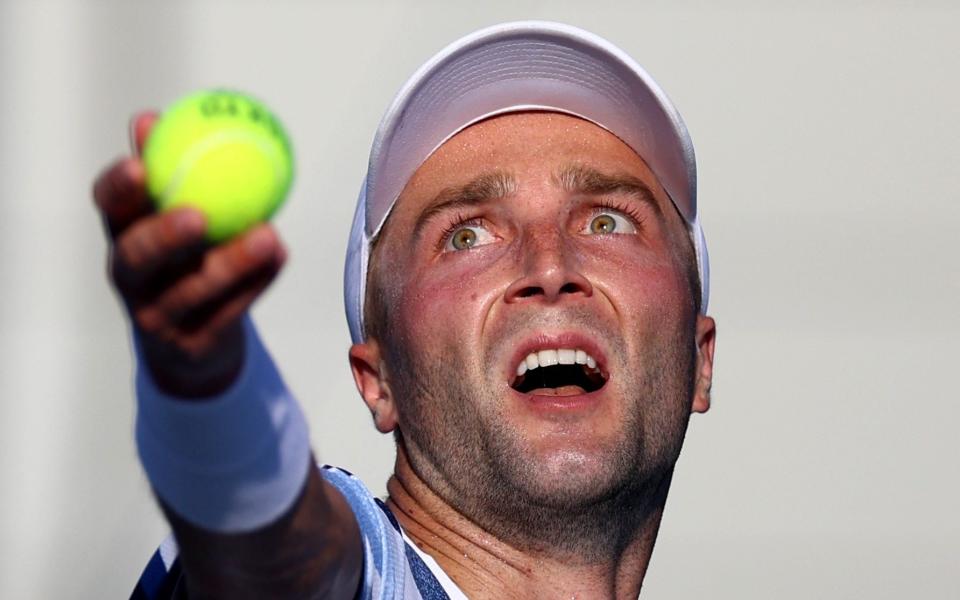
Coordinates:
column 223, row 443
column 237, row 481
column 298, row 556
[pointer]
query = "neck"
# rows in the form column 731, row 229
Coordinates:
column 487, row 566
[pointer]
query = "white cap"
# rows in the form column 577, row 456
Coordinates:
column 520, row 66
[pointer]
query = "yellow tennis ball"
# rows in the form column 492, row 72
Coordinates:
column 223, row 153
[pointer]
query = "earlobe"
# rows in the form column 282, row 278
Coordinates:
column 706, row 339
column 369, row 373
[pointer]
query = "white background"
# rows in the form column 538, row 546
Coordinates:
column 827, row 141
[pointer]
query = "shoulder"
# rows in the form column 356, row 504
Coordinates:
column 393, row 566
column 387, row 569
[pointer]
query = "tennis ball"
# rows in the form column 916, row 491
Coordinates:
column 223, row 153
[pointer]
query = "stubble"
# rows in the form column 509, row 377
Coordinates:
column 465, row 450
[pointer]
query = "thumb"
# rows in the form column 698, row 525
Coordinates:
column 140, row 125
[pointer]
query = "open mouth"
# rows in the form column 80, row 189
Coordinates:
column 560, row 372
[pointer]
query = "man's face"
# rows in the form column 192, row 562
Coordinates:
column 521, row 236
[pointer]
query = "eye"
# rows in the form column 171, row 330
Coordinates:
column 609, row 221
column 465, row 236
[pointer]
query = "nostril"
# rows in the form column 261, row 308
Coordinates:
column 529, row 291
column 550, row 281
column 519, row 291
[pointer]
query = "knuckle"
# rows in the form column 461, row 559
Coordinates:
column 220, row 270
column 224, row 266
column 138, row 247
column 119, row 192
column 101, row 187
column 151, row 321
column 188, row 296
column 110, row 186
column 184, row 297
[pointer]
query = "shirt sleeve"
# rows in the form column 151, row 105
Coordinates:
column 162, row 578
column 386, row 558
column 386, row 567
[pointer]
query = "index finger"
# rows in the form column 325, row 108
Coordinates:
column 120, row 193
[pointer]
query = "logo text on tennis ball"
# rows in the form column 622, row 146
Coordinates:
column 224, row 153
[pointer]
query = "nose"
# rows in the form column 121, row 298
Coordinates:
column 551, row 271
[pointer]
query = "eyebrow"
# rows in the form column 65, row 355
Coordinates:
column 579, row 179
column 478, row 191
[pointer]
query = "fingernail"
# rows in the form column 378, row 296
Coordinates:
column 136, row 120
column 134, row 170
column 259, row 243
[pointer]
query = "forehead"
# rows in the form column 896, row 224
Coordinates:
column 528, row 146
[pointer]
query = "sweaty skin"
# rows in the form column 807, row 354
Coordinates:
column 520, row 495
column 515, row 495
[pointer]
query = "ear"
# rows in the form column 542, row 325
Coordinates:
column 706, row 337
column 369, row 373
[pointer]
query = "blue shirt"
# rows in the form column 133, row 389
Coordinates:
column 393, row 567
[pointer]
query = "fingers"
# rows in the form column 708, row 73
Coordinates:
column 153, row 244
column 213, row 295
column 202, row 328
column 120, row 194
column 184, row 295
column 120, row 190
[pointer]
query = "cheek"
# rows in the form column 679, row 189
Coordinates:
column 448, row 297
column 645, row 286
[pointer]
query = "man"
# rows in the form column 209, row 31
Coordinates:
column 526, row 288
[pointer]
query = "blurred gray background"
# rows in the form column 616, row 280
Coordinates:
column 827, row 140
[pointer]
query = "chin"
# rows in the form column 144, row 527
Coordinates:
column 575, row 474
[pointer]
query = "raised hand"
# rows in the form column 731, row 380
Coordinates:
column 185, row 297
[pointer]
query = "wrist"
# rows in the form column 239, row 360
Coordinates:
column 234, row 462
column 196, row 376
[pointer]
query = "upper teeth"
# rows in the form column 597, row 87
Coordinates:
column 561, row 356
